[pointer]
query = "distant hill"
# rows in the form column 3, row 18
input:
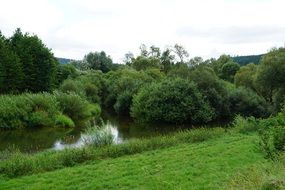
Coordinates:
column 63, row 60
column 244, row 60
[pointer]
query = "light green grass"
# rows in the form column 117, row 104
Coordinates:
column 212, row 164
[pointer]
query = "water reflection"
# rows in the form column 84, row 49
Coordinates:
column 33, row 140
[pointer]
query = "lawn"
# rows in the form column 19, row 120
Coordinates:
column 212, row 164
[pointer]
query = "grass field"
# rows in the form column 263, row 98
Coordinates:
column 214, row 164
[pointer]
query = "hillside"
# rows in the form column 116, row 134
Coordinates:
column 244, row 60
column 63, row 60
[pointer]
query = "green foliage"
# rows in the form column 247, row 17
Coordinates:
column 246, row 125
column 123, row 84
column 89, row 86
column 25, row 110
column 63, row 121
column 64, row 72
column 37, row 62
column 229, row 70
column 270, row 74
column 247, row 103
column 98, row 61
column 143, row 63
column 74, row 106
column 213, row 89
column 246, row 76
column 172, row 101
column 10, row 69
column 272, row 141
column 43, row 109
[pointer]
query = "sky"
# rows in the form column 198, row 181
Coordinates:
column 206, row 28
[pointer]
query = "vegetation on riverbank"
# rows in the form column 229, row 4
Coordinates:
column 231, row 161
column 45, row 110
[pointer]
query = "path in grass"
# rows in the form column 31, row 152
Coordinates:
column 207, row 165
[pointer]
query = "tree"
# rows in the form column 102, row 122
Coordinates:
column 246, row 76
column 167, row 60
column 270, row 81
column 98, row 61
column 229, row 70
column 143, row 63
column 10, row 69
column 213, row 90
column 143, row 49
column 219, row 63
column 37, row 62
column 154, row 51
column 195, row 61
column 181, row 52
column 171, row 101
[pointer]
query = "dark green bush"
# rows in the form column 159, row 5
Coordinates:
column 247, row 103
column 171, row 101
column 122, row 85
column 74, row 106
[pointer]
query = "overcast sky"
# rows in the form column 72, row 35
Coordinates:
column 207, row 28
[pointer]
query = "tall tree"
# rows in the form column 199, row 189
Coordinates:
column 10, row 69
column 38, row 63
column 99, row 61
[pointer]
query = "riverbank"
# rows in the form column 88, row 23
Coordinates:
column 218, row 163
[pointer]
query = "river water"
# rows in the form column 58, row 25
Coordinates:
column 37, row 139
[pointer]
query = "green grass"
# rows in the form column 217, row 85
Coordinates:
column 212, row 164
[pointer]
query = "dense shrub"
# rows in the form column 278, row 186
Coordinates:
column 74, row 106
column 247, row 103
column 172, row 101
column 89, row 86
column 63, row 121
column 44, row 109
column 213, row 89
column 272, row 141
column 122, row 85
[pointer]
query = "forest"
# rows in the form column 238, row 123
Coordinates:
column 158, row 87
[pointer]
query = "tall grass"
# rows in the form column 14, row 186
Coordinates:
column 23, row 164
column 98, row 136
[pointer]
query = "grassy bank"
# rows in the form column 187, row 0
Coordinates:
column 18, row 164
column 221, row 163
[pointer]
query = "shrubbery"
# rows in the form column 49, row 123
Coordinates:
column 247, row 103
column 172, row 101
column 44, row 109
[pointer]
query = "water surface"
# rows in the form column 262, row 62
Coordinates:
column 37, row 139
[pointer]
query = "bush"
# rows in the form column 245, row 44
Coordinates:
column 246, row 125
column 171, row 101
column 272, row 141
column 40, row 119
column 43, row 109
column 122, row 85
column 74, row 106
column 247, row 103
column 63, row 121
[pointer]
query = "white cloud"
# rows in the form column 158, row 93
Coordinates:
column 206, row 28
